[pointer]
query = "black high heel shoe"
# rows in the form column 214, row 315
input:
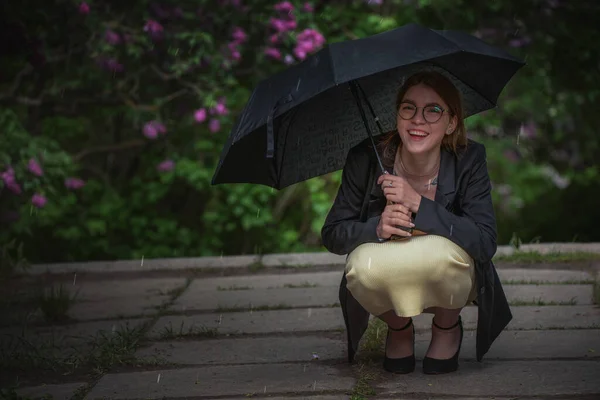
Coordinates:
column 436, row 366
column 402, row 365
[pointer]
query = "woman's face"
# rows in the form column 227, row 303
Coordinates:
column 418, row 134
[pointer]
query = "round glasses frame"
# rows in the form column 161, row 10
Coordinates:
column 431, row 119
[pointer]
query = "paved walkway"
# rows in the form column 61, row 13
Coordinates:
column 277, row 333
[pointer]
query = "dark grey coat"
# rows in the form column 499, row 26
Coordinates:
column 462, row 212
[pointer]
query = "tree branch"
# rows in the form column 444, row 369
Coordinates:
column 16, row 83
column 103, row 149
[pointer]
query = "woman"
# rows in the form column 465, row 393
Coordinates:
column 435, row 198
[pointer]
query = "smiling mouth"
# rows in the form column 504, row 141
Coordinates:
column 415, row 133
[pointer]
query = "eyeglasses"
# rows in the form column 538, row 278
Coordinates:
column 431, row 114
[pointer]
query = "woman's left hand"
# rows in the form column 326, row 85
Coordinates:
column 398, row 190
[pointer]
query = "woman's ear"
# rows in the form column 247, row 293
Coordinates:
column 451, row 126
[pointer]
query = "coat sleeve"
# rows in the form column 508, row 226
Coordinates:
column 343, row 231
column 474, row 230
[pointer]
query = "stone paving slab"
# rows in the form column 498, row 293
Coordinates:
column 70, row 335
column 142, row 265
column 234, row 380
column 542, row 276
column 91, row 290
column 326, row 258
column 578, row 294
column 313, row 319
column 249, row 299
column 228, row 300
column 288, row 259
column 508, row 378
column 321, row 319
column 117, row 308
column 247, row 350
column 340, row 397
column 328, row 279
column 58, row 392
column 119, row 299
column 332, row 279
column 581, row 343
column 269, row 260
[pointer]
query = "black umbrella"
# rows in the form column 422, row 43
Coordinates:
column 300, row 123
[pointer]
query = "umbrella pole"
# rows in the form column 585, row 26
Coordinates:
column 354, row 88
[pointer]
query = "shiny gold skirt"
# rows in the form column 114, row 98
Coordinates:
column 410, row 276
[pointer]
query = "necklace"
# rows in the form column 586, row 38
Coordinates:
column 433, row 174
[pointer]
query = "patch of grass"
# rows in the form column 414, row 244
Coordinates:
column 531, row 257
column 95, row 355
column 114, row 349
column 234, row 287
column 287, row 266
column 540, row 302
column 173, row 295
column 256, row 266
column 169, row 332
column 12, row 260
column 55, row 304
column 538, row 283
column 82, row 391
column 365, row 376
column 11, row 394
column 367, row 368
column 301, row 285
column 250, row 307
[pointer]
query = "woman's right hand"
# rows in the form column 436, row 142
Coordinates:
column 394, row 215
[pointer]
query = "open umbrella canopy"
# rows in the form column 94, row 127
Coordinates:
column 302, row 122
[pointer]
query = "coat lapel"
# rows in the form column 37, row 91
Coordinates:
column 446, row 189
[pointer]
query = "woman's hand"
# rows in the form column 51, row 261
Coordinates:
column 396, row 189
column 394, row 215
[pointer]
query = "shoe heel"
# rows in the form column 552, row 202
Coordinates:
column 434, row 366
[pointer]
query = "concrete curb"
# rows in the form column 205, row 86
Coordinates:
column 266, row 261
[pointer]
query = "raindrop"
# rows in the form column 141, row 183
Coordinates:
column 142, row 264
column 257, row 213
column 451, row 299
column 309, row 312
column 298, row 84
column 516, row 31
column 314, row 385
column 265, row 390
column 220, row 318
column 176, row 51
column 158, row 379
column 74, row 279
column 451, row 228
column 304, row 369
column 114, row 328
column 369, row 266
